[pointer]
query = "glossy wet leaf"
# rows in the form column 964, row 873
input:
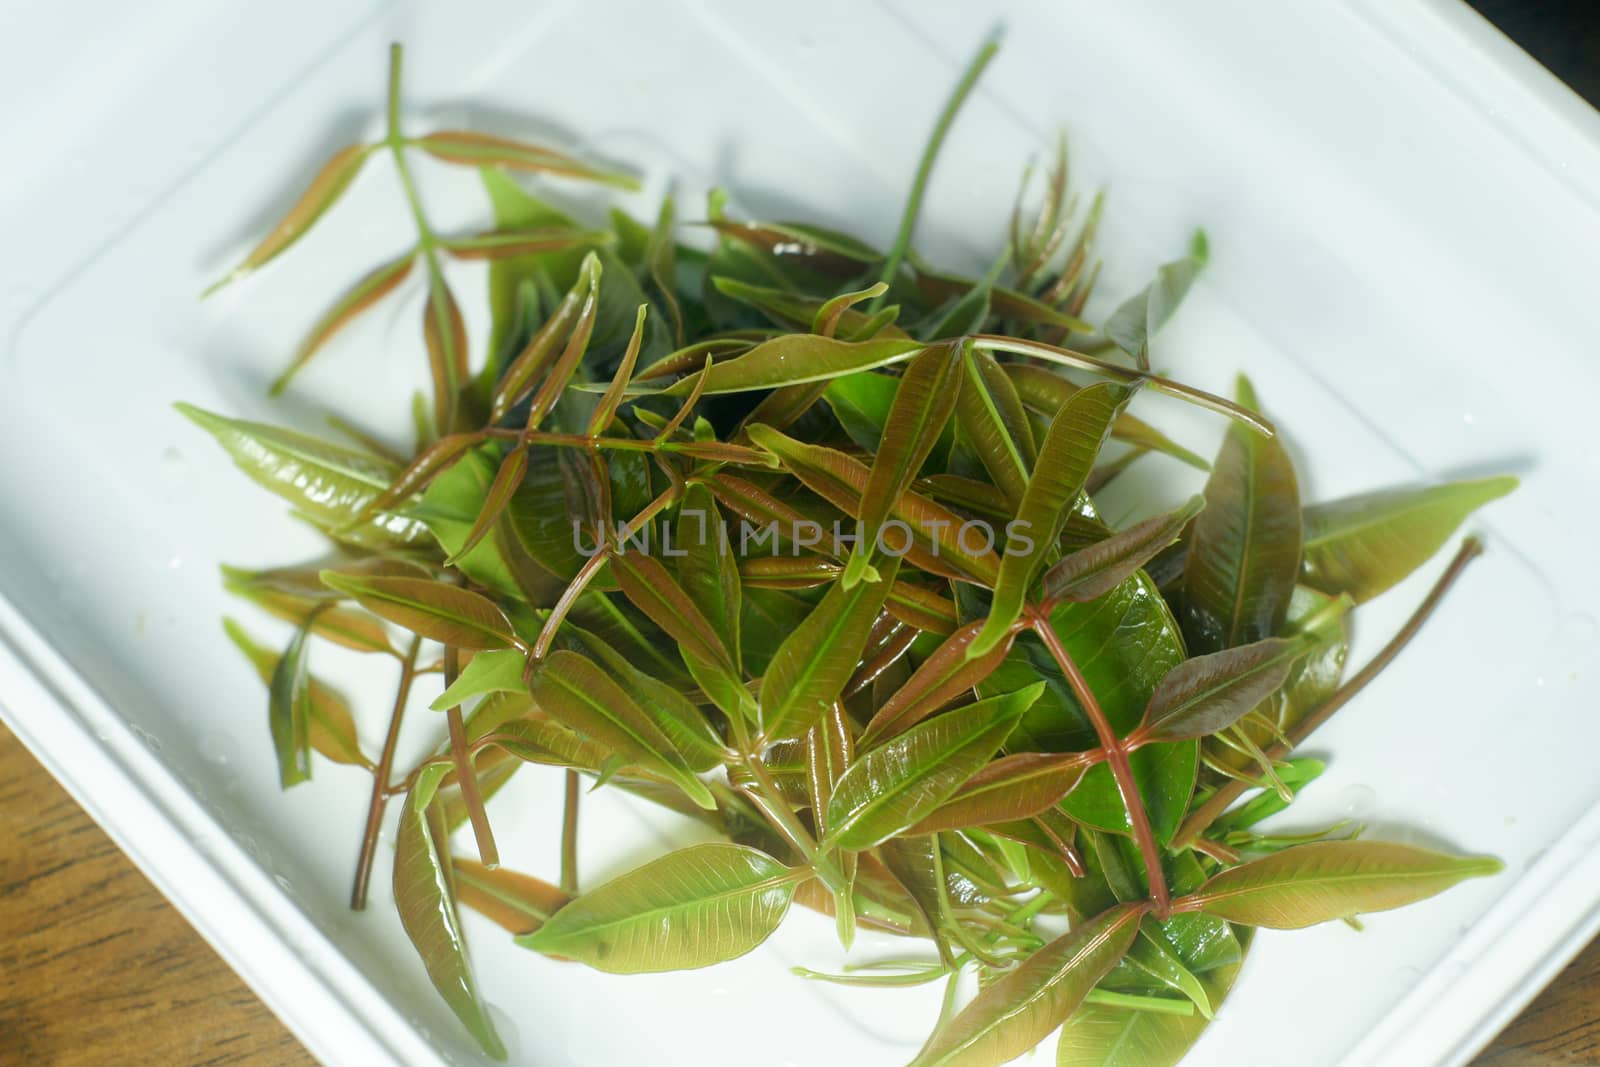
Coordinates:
column 692, row 908
column 897, row 784
column 323, row 192
column 424, row 895
column 1364, row 544
column 1136, row 321
column 507, row 480
column 995, row 424
column 328, row 483
column 678, row 718
column 810, row 668
column 922, row 406
column 289, row 713
column 1097, row 569
column 574, row 691
column 331, row 727
column 1019, row 1010
column 1210, row 693
column 708, row 569
column 1328, row 880
column 372, row 288
column 861, row 403
column 1098, row 1035
column 1013, row 787
column 792, row 359
column 1065, row 460
column 1244, row 553
column 474, row 149
column 435, row 610
column 647, row 583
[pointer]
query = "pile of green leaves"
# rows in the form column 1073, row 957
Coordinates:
column 974, row 742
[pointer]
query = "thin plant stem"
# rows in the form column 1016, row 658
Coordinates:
column 380, row 780
column 1117, row 760
column 466, row 775
column 569, row 835
column 1203, row 816
column 919, row 184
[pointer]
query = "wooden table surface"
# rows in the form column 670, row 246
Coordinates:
column 97, row 968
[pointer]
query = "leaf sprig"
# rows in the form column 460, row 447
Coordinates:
column 799, row 539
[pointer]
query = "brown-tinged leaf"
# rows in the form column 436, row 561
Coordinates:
column 555, row 382
column 1065, row 460
column 922, row 608
column 445, row 335
column 1244, row 552
column 470, row 148
column 536, row 356
column 507, row 480
column 922, row 405
column 947, row 673
column 1099, row 568
column 1044, row 391
column 605, row 412
column 323, row 192
column 791, row 359
column 995, row 423
column 504, row 244
column 343, row 626
column 575, row 692
column 424, row 895
column 331, row 727
column 1209, row 693
column 1013, row 787
column 1019, row 1010
column 361, row 296
column 437, row 611
column 514, row 901
column 1326, row 880
column 810, row 669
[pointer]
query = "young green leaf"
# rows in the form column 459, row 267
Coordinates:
column 791, row 359
column 605, row 412
column 682, row 722
column 811, row 667
column 505, row 244
column 507, row 480
column 1102, row 1035
column 424, row 895
column 896, row 785
column 348, row 627
column 1099, row 568
column 1133, row 324
column 652, row 589
column 1016, row 1012
column 437, row 611
column 1065, row 460
column 444, row 334
column 499, row 671
column 991, row 415
column 691, row 908
column 1364, row 544
column 1327, row 880
column 1013, row 787
column 1244, row 553
column 289, row 713
column 473, row 149
column 922, row 406
column 534, row 361
column 566, row 365
column 358, row 298
column 323, row 192
column 331, row 726
column 575, row 692
column 1209, row 693
column 330, row 484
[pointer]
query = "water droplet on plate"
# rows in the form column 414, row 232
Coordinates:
column 216, row 748
column 171, row 457
column 1358, row 800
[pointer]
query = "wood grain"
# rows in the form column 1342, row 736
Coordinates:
column 97, row 968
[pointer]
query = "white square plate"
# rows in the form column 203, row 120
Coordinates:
column 1405, row 242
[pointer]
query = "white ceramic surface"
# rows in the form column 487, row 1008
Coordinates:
column 1405, row 242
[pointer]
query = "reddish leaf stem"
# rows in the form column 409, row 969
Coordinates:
column 1116, row 759
column 466, row 775
column 380, row 780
